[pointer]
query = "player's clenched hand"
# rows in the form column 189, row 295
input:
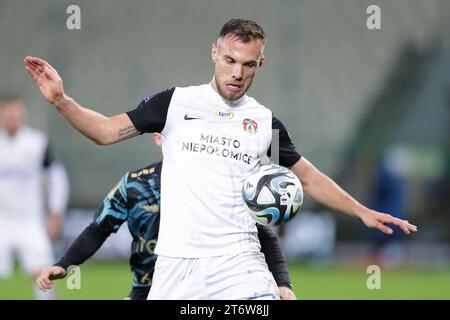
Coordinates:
column 46, row 78
column 287, row 294
column 44, row 280
column 379, row 220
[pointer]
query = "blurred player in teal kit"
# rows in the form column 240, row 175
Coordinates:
column 136, row 199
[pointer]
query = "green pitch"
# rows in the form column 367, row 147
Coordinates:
column 111, row 280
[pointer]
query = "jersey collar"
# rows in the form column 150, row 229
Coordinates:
column 232, row 104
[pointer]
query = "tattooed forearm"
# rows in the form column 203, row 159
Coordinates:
column 127, row 133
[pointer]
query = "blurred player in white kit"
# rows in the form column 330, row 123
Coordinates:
column 32, row 183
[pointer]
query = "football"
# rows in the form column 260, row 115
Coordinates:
column 273, row 195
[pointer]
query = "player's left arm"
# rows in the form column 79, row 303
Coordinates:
column 276, row 261
column 83, row 247
column 107, row 220
column 324, row 190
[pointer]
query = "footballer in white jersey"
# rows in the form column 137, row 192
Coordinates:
column 210, row 145
column 26, row 167
column 213, row 136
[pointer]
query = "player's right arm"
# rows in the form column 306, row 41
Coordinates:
column 97, row 127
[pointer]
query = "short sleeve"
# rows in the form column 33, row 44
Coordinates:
column 150, row 115
column 288, row 155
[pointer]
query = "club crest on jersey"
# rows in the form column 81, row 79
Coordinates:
column 250, row 126
column 223, row 114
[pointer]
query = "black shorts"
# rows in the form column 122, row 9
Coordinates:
column 139, row 293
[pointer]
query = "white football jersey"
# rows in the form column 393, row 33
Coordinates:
column 24, row 160
column 210, row 145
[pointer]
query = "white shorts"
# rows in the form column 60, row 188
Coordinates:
column 229, row 277
column 31, row 244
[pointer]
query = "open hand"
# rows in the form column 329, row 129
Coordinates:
column 46, row 78
column 379, row 220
